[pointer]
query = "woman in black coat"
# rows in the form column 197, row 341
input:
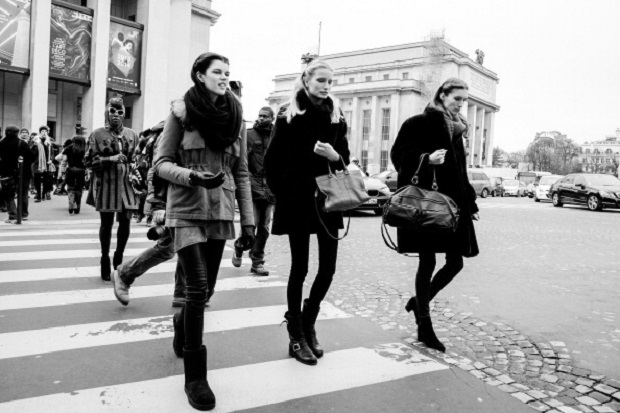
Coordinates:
column 439, row 132
column 309, row 133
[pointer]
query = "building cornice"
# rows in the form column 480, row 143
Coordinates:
column 484, row 102
column 205, row 12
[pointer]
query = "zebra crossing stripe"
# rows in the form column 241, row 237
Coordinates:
column 66, row 254
column 65, row 241
column 58, row 298
column 39, row 274
column 49, row 340
column 263, row 384
column 27, row 232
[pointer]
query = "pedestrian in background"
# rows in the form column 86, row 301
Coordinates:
column 75, row 172
column 109, row 152
column 203, row 155
column 44, row 167
column 309, row 132
column 262, row 198
column 439, row 131
column 11, row 148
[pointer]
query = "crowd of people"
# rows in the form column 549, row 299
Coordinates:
column 188, row 173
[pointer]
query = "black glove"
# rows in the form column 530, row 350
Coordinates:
column 247, row 237
column 206, row 179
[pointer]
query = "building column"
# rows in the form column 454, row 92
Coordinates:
column 395, row 122
column 489, row 121
column 472, row 111
column 180, row 62
column 356, row 137
column 374, row 140
column 34, row 95
column 480, row 135
column 153, row 106
column 94, row 99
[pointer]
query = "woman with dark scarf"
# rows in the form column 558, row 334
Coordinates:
column 202, row 153
column 108, row 154
column 76, row 172
column 309, row 134
column 439, row 132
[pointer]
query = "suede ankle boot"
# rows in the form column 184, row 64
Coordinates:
column 308, row 320
column 426, row 334
column 118, row 259
column 105, row 267
column 412, row 305
column 178, row 342
column 199, row 394
column 298, row 347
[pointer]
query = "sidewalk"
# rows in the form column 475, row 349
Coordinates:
column 53, row 212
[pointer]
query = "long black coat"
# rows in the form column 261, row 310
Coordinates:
column 291, row 167
column 426, row 133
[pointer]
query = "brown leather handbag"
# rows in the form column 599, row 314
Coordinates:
column 339, row 191
column 419, row 210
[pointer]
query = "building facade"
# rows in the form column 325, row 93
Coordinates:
column 602, row 155
column 378, row 89
column 60, row 61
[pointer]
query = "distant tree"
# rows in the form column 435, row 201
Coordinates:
column 498, row 154
column 558, row 156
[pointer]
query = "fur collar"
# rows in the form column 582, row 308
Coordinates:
column 179, row 110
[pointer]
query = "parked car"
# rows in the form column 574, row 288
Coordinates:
column 378, row 192
column 541, row 190
column 389, row 177
column 597, row 191
column 481, row 183
column 513, row 187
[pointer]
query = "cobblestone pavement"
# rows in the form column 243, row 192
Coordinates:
column 374, row 282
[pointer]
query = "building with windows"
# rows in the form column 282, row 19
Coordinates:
column 60, row 61
column 601, row 156
column 378, row 89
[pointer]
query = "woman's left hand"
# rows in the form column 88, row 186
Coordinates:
column 475, row 217
column 325, row 150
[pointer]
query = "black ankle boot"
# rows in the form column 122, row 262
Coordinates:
column 105, row 267
column 426, row 334
column 308, row 320
column 178, row 342
column 118, row 259
column 298, row 347
column 199, row 394
column 412, row 305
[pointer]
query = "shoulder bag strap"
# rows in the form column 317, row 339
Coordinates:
column 316, row 207
column 415, row 178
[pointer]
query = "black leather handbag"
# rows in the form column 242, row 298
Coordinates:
column 419, row 210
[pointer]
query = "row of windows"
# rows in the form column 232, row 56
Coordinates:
column 596, row 151
column 405, row 76
column 607, row 160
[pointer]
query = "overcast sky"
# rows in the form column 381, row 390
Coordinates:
column 558, row 61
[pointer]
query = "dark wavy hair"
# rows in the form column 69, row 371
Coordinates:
column 79, row 146
column 204, row 62
column 447, row 87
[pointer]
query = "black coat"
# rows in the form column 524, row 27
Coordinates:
column 291, row 167
column 426, row 133
column 11, row 148
column 258, row 142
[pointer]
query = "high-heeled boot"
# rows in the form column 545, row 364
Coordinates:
column 298, row 347
column 426, row 334
column 412, row 305
column 308, row 320
column 118, row 259
column 105, row 267
column 199, row 394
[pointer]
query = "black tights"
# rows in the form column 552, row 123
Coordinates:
column 201, row 263
column 105, row 232
column 300, row 254
column 426, row 289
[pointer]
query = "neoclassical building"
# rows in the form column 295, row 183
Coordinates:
column 378, row 89
column 602, row 155
column 60, row 61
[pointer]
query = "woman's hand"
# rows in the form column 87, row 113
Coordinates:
column 475, row 217
column 159, row 217
column 438, row 157
column 325, row 150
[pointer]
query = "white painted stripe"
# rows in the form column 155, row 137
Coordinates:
column 26, row 232
column 65, row 254
column 62, row 222
column 286, row 380
column 43, row 274
column 49, row 340
column 59, row 298
column 66, row 241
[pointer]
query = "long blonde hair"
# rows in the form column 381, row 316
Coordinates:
column 293, row 108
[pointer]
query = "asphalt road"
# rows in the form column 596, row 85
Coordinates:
column 551, row 273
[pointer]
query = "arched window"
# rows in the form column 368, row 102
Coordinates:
column 587, row 151
column 609, row 151
column 596, row 152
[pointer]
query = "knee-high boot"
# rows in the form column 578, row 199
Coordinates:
column 298, row 347
column 105, row 267
column 308, row 320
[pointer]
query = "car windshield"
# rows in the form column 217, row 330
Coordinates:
column 602, row 180
column 548, row 180
column 511, row 182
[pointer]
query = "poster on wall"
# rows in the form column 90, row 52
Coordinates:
column 124, row 57
column 70, row 41
column 15, row 35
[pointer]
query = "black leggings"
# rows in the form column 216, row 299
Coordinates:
column 300, row 254
column 201, row 263
column 105, row 231
column 426, row 289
